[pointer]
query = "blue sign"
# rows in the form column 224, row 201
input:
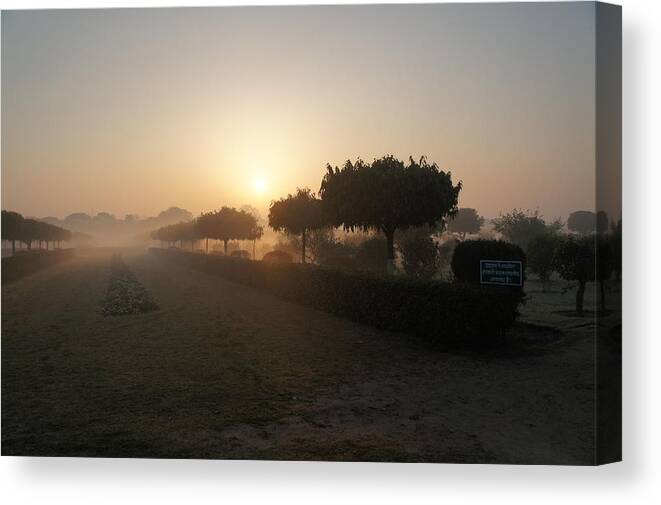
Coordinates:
column 502, row 273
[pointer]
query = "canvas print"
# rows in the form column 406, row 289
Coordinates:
column 383, row 233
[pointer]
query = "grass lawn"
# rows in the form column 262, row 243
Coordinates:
column 223, row 371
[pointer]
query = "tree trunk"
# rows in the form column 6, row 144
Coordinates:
column 579, row 297
column 390, row 262
column 225, row 246
column 602, row 287
column 303, row 247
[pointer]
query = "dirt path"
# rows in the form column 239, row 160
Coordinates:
column 223, row 371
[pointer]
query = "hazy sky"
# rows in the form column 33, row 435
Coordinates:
column 137, row 110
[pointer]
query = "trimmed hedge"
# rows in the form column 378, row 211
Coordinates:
column 28, row 262
column 443, row 314
column 467, row 255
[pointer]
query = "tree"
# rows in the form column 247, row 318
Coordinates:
column 420, row 254
column 257, row 231
column 465, row 221
column 582, row 221
column 541, row 255
column 227, row 224
column 11, row 228
column 520, row 227
column 297, row 214
column 387, row 196
column 602, row 222
column 575, row 261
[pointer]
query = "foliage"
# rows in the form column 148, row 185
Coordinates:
column 297, row 214
column 225, row 224
column 441, row 314
column 584, row 259
column 420, row 255
column 616, row 246
column 541, row 255
column 520, row 227
column 372, row 255
column 387, row 195
column 16, row 227
column 602, row 222
column 466, row 221
column 467, row 256
column 582, row 221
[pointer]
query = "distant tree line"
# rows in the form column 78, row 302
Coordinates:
column 226, row 224
column 16, row 228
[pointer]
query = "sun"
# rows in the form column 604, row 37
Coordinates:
column 259, row 185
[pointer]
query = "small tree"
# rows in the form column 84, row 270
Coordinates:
column 520, row 227
column 575, row 261
column 541, row 254
column 387, row 196
column 297, row 214
column 420, row 254
column 465, row 221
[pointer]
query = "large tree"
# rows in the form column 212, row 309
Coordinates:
column 466, row 221
column 388, row 195
column 227, row 224
column 297, row 214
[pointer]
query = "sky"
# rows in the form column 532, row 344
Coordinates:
column 136, row 110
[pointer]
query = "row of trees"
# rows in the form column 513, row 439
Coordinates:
column 225, row 224
column 16, row 228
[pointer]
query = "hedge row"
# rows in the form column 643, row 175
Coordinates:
column 443, row 314
column 28, row 262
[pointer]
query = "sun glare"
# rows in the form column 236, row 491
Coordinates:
column 259, row 185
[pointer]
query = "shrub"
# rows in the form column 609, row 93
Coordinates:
column 443, row 314
column 467, row 256
column 277, row 257
column 372, row 255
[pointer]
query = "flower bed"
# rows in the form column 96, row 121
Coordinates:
column 125, row 294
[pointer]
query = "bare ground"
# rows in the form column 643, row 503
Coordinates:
column 224, row 371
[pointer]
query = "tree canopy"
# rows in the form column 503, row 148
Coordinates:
column 297, row 214
column 388, row 195
column 465, row 221
column 16, row 227
column 520, row 227
column 228, row 224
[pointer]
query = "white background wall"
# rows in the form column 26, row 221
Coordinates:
column 54, row 481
